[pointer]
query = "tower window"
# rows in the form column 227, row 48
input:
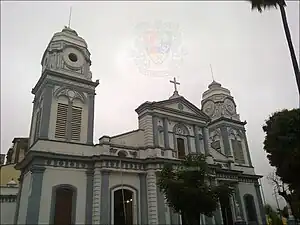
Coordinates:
column 73, row 57
column 76, row 123
column 61, row 121
column 180, row 148
column 68, row 123
column 238, row 151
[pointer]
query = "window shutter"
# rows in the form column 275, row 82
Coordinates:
column 76, row 123
column 238, row 151
column 61, row 121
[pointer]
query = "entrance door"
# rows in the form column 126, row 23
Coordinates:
column 63, row 206
column 123, row 207
column 226, row 212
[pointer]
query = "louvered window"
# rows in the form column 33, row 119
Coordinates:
column 37, row 125
column 61, row 121
column 180, row 148
column 238, row 151
column 76, row 123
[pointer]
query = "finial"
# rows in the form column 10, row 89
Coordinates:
column 70, row 17
column 175, row 83
column 212, row 74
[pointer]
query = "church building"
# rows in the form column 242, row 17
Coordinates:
column 67, row 179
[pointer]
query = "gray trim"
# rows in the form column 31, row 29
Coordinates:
column 105, row 197
column 225, row 138
column 33, row 206
column 161, row 207
column 260, row 204
column 174, row 217
column 89, row 197
column 166, row 134
column 31, row 126
column 53, row 202
column 239, row 200
column 144, row 200
column 18, row 199
column 247, row 148
column 226, row 124
column 46, row 112
column 205, row 140
column 155, row 131
column 69, row 122
column 111, row 203
column 197, row 140
column 90, row 128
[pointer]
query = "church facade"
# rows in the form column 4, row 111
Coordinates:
column 67, row 179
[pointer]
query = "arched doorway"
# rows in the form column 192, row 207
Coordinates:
column 123, row 207
column 64, row 205
column 250, row 209
column 226, row 211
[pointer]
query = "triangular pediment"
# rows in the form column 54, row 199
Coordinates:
column 181, row 105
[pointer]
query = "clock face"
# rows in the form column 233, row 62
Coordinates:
column 73, row 58
column 209, row 108
column 229, row 105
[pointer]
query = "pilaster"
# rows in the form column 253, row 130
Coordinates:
column 105, row 199
column 90, row 129
column 152, row 197
column 33, row 207
column 96, row 196
column 166, row 134
column 89, row 197
column 46, row 111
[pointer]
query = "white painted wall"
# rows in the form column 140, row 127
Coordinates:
column 249, row 188
column 7, row 212
column 24, row 198
column 55, row 176
column 134, row 139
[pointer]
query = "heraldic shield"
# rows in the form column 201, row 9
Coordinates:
column 157, row 44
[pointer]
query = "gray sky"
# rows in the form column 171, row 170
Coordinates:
column 247, row 49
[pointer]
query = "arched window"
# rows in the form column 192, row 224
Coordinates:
column 180, row 148
column 124, row 206
column 250, row 209
column 64, row 205
column 122, row 154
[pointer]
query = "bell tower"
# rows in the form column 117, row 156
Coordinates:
column 227, row 133
column 63, row 105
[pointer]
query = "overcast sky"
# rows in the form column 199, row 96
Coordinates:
column 247, row 50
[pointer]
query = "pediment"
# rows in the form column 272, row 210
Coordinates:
column 183, row 106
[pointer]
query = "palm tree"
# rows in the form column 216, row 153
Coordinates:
column 261, row 5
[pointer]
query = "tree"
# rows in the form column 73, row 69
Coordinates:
column 190, row 184
column 263, row 4
column 274, row 218
column 282, row 144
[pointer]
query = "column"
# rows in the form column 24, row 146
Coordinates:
column 260, row 203
column 18, row 199
column 225, row 138
column 197, row 140
column 144, row 202
column 91, row 113
column 205, row 141
column 155, row 131
column 152, row 197
column 247, row 148
column 96, row 196
column 89, row 197
column 166, row 134
column 33, row 207
column 46, row 111
column 218, row 212
column 105, row 199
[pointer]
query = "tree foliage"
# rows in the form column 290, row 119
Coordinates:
column 261, row 5
column 282, row 144
column 190, row 184
column 272, row 215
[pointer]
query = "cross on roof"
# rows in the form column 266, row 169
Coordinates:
column 175, row 83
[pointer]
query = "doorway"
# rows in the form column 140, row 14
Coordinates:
column 123, row 207
column 226, row 211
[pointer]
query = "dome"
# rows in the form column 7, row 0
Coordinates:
column 215, row 88
column 69, row 35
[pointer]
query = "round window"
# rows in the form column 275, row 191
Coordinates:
column 73, row 57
